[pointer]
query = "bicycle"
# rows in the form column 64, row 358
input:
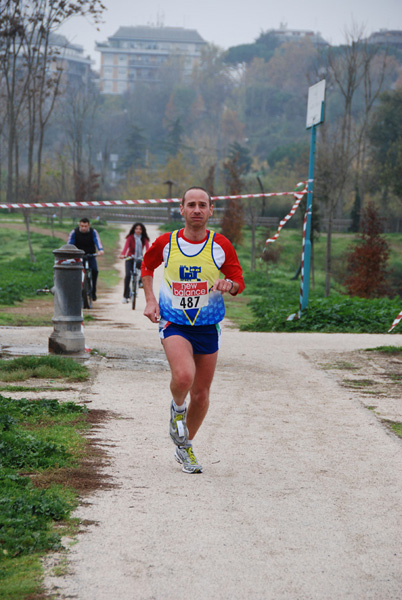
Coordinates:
column 87, row 286
column 134, row 280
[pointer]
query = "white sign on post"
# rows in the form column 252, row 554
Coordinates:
column 315, row 103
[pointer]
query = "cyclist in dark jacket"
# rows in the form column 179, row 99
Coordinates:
column 87, row 239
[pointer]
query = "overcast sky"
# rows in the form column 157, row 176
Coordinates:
column 229, row 22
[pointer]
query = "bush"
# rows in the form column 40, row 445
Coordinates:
column 334, row 314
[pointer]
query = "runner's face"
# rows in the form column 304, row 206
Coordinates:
column 84, row 227
column 196, row 208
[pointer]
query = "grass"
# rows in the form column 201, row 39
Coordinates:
column 10, row 319
column 386, row 349
column 396, row 428
column 21, row 577
column 43, row 367
column 340, row 364
column 20, row 278
column 39, row 388
column 21, row 320
column 38, row 439
column 358, row 383
column 272, row 295
column 395, row 377
column 238, row 310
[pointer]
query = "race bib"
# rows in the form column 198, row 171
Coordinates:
column 189, row 294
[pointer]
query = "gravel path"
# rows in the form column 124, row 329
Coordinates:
column 301, row 495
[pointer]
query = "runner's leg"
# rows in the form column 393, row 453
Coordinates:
column 179, row 353
column 199, row 393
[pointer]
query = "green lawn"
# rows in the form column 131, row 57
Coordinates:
column 20, row 278
column 272, row 295
column 41, row 442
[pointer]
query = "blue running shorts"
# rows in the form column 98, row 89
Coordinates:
column 205, row 339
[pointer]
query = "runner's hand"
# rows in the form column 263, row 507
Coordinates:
column 152, row 311
column 221, row 285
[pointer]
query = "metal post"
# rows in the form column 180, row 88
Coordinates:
column 68, row 336
column 309, row 209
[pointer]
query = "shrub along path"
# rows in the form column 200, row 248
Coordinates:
column 301, row 495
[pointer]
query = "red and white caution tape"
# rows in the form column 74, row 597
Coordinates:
column 297, row 315
column 298, row 196
column 396, row 321
column 151, row 201
column 68, row 261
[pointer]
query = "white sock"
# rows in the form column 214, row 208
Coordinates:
column 178, row 408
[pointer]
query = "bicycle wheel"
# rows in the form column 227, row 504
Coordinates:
column 87, row 290
column 133, row 289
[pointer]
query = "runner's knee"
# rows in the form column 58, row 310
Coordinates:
column 200, row 397
column 183, row 379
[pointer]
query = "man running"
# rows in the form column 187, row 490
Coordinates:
column 189, row 311
column 87, row 239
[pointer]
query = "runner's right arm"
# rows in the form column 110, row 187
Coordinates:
column 151, row 261
column 152, row 306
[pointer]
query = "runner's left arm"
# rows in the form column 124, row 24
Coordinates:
column 230, row 268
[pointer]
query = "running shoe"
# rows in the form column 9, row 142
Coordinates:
column 186, row 457
column 178, row 427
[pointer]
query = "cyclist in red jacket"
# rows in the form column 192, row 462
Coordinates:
column 137, row 242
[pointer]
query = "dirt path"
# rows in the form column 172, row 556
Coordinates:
column 301, row 495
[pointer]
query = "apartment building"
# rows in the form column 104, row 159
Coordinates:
column 71, row 58
column 284, row 35
column 386, row 37
column 138, row 54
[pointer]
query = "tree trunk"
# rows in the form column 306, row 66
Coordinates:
column 328, row 255
column 10, row 162
column 25, row 212
column 253, row 227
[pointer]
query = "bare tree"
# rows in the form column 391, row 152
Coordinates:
column 30, row 83
column 79, row 109
column 342, row 145
column 377, row 66
column 28, row 65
